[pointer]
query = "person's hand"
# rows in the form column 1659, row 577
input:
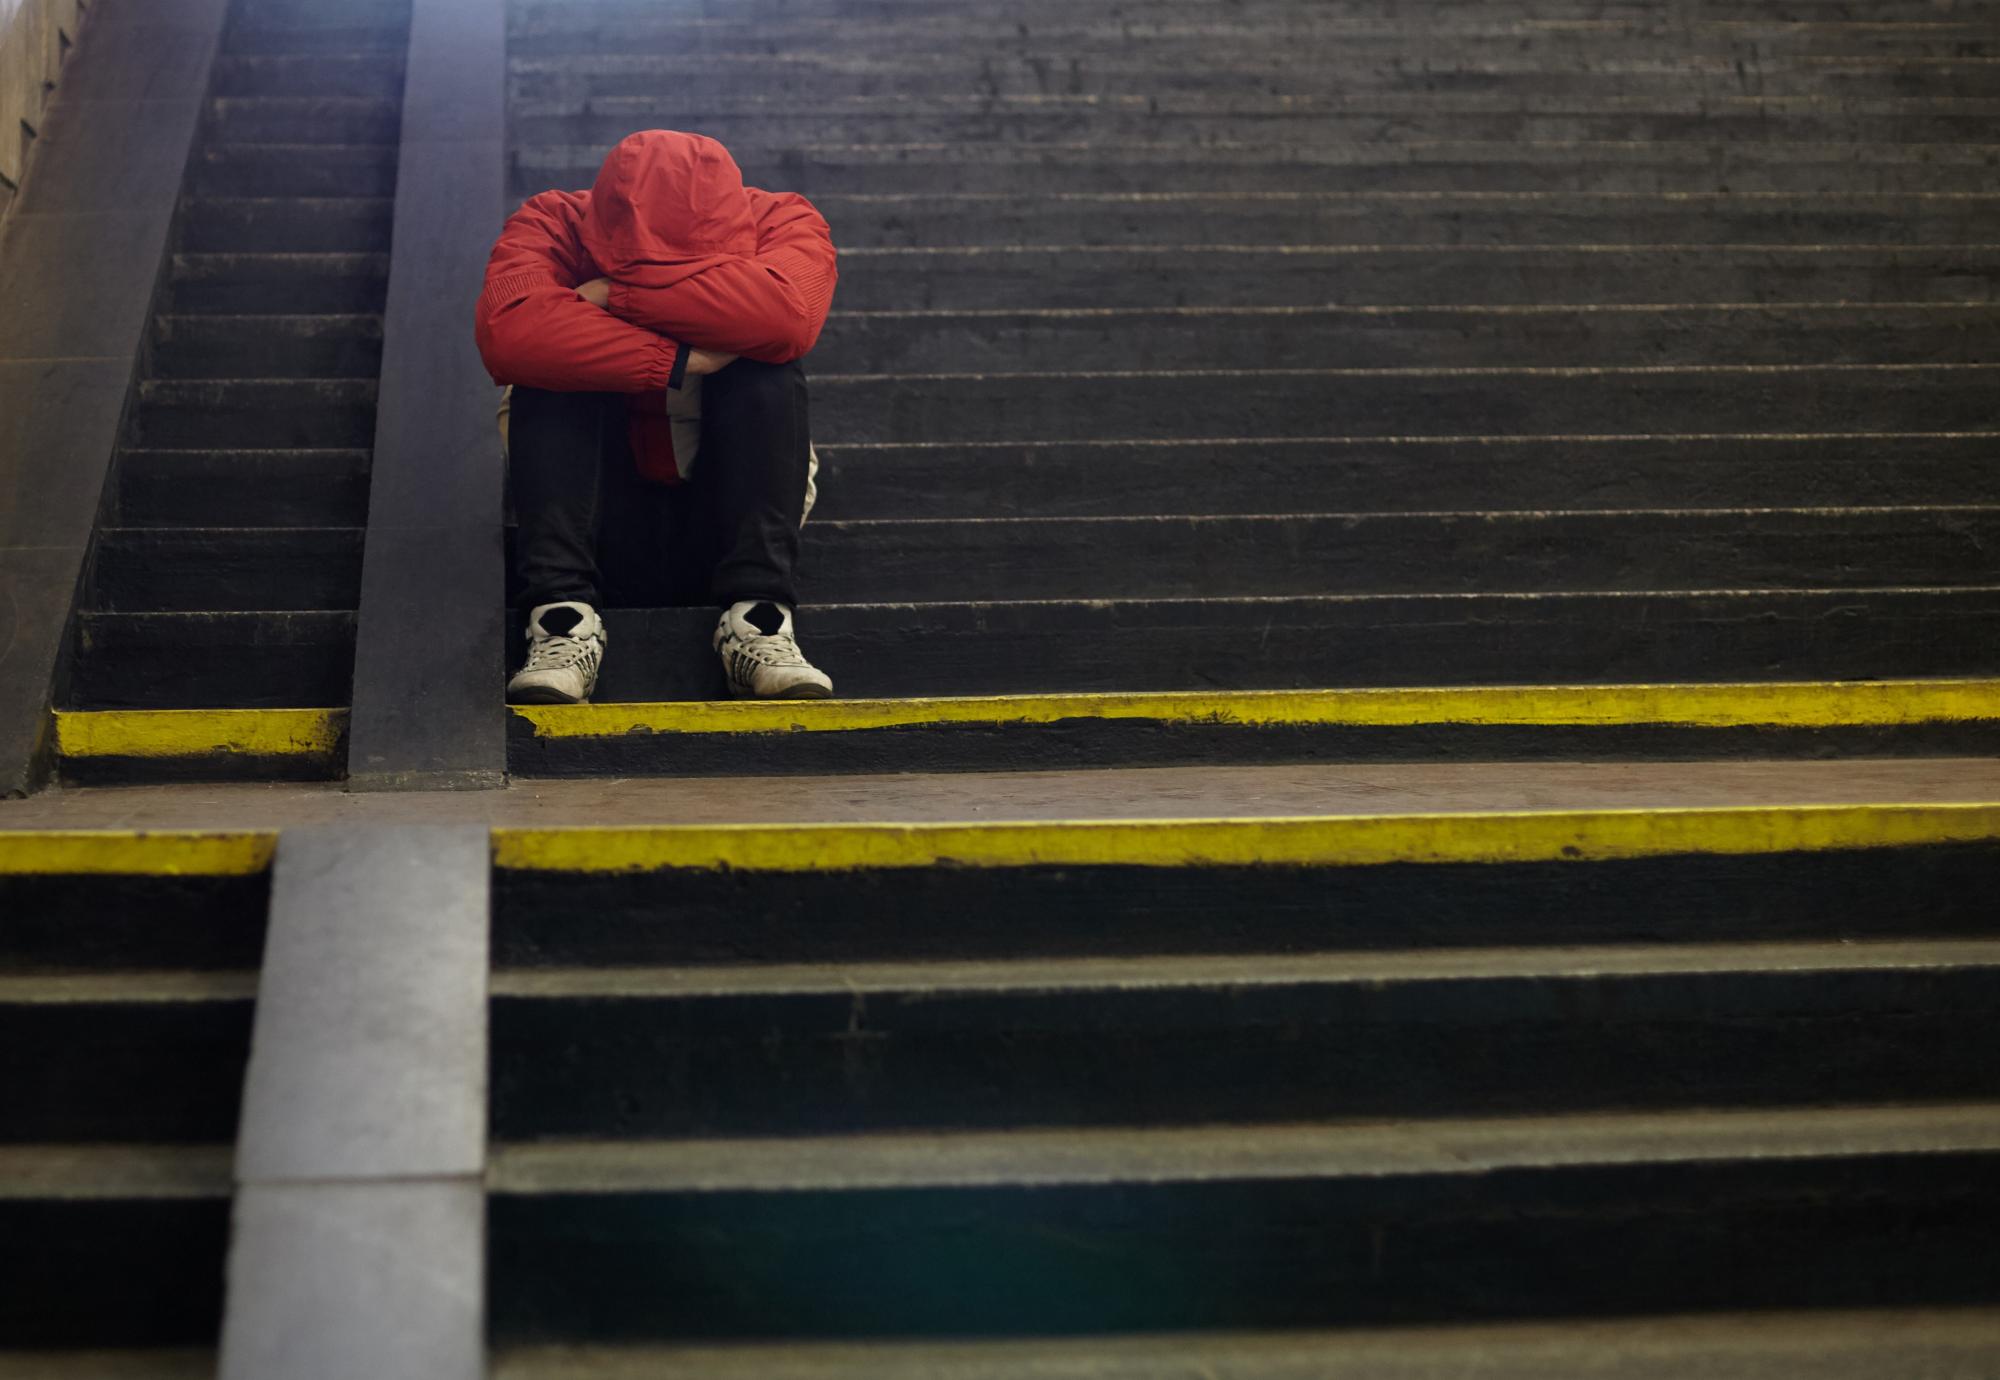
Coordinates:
column 708, row 361
column 597, row 292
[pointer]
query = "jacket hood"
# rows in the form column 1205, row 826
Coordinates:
column 664, row 205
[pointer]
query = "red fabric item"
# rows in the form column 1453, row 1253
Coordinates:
column 696, row 259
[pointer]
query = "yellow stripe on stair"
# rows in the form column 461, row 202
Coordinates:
column 1341, row 840
column 1815, row 704
column 163, row 733
column 136, row 852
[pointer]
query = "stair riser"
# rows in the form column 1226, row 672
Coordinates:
column 1919, row 125
column 283, row 121
column 1194, row 558
column 1134, row 1256
column 217, row 569
column 899, row 409
column 343, row 37
column 71, row 923
column 1064, row 278
column 288, row 170
column 343, row 227
column 166, row 1071
column 1224, row 222
column 217, row 348
column 556, row 15
column 1028, row 170
column 693, row 917
column 190, row 661
column 968, row 343
column 274, row 288
column 242, row 489
column 196, row 424
column 1134, row 479
column 309, row 15
column 1004, row 649
column 875, row 1061
column 375, row 76
column 112, row 1272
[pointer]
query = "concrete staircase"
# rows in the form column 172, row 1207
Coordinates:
column 1184, row 347
column 227, row 563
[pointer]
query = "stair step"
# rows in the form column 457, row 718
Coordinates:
column 313, row 14
column 346, row 37
column 1072, row 1232
column 311, row 170
column 1188, row 404
column 1290, row 643
column 1303, row 554
column 1134, row 478
column 1017, row 732
column 112, row 1246
column 799, row 1050
column 820, row 167
column 194, row 569
column 293, row 225
column 1859, row 1344
column 352, row 76
column 303, row 120
column 274, row 660
column 254, row 413
column 1240, row 218
column 1776, row 121
column 556, row 15
column 276, row 284
column 236, row 347
column 242, row 488
column 124, row 746
column 1154, row 276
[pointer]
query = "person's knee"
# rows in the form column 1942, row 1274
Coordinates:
column 761, row 385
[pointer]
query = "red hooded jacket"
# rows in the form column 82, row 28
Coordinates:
column 697, row 261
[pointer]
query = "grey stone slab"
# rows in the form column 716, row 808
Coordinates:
column 110, row 155
column 457, row 71
column 369, row 1054
column 428, row 661
column 140, row 60
column 78, row 286
column 58, row 427
column 37, row 585
column 340, row 1281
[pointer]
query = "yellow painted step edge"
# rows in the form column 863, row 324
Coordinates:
column 199, row 732
column 136, row 852
column 1813, row 704
column 1346, row 840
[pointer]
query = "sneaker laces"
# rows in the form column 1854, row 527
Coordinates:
column 773, row 649
column 561, row 653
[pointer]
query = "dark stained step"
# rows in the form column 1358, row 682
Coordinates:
column 266, row 347
column 216, row 569
column 140, row 1058
column 800, row 1050
column 1413, row 553
column 254, row 413
column 303, row 120
column 287, row 225
column 1133, row 478
column 308, row 15
column 313, row 170
column 1384, row 337
column 1827, row 1344
column 1154, row 276
column 355, row 76
column 822, row 167
column 389, row 37
column 75, row 924
column 112, row 1247
column 270, row 660
column 1772, row 121
column 1522, row 638
column 1067, row 1232
column 695, row 918
column 1279, row 218
column 242, row 488
column 553, row 15
column 988, row 76
column 863, row 408
column 276, row 284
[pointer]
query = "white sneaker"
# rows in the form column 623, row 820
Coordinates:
column 754, row 640
column 565, row 650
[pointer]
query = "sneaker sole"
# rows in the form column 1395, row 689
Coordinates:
column 796, row 692
column 539, row 696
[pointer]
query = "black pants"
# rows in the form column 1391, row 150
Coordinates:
column 589, row 529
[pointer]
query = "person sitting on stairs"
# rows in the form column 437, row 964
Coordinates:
column 660, row 315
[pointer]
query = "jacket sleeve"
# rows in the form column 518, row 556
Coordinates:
column 770, row 306
column 533, row 330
